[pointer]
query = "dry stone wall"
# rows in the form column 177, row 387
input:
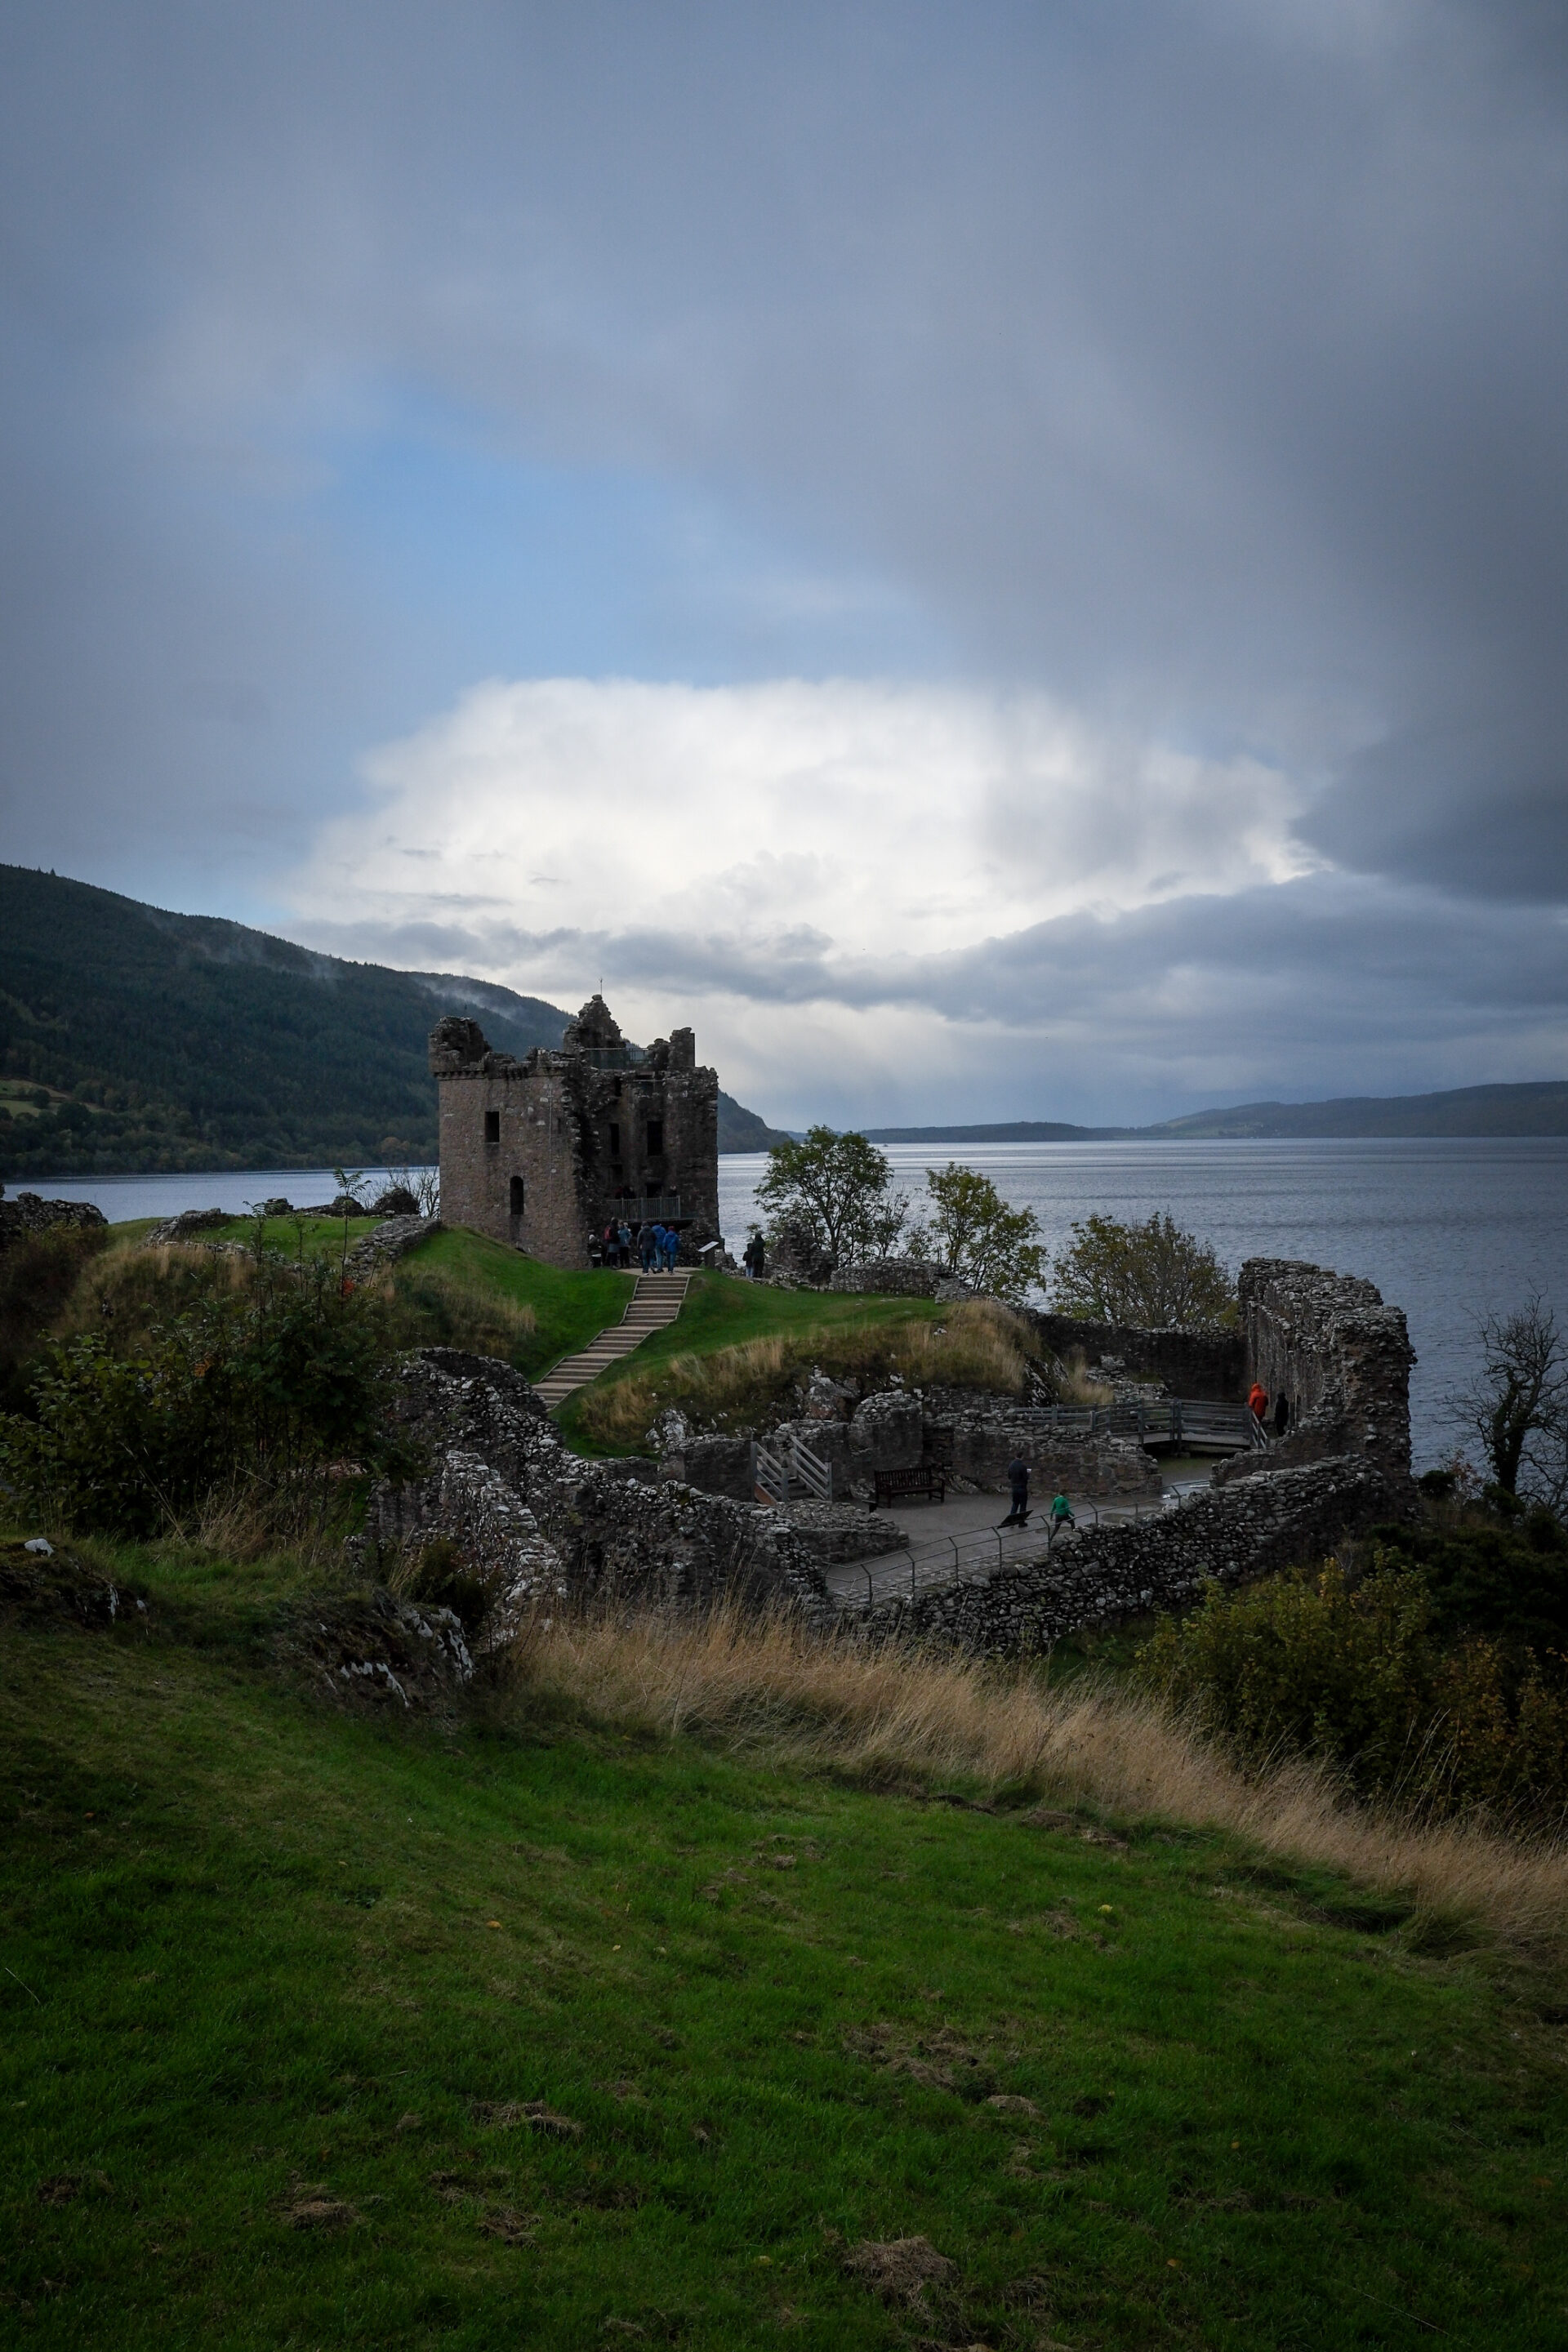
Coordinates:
column 1187, row 1362
column 1102, row 1576
column 536, row 1521
column 28, row 1216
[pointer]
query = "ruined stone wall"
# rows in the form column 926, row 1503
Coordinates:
column 1342, row 1359
column 967, row 1433
column 977, row 1436
column 1207, row 1364
column 535, row 1520
column 1103, row 1575
column 897, row 1277
column 27, row 1214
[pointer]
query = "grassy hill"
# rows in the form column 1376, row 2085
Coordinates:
column 282, row 1982
column 132, row 1039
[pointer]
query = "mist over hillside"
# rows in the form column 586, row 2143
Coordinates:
column 134, row 1039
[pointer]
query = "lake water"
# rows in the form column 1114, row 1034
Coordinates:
column 1447, row 1230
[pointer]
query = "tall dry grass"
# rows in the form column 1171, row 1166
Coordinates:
column 892, row 1712
column 980, row 1345
column 443, row 1307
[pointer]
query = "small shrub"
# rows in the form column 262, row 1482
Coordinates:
column 268, row 1377
column 39, row 1275
column 1360, row 1678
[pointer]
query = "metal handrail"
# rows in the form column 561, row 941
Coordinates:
column 921, row 1559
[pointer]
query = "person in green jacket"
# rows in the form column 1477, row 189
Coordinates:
column 1061, row 1514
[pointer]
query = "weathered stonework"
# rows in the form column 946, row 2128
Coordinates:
column 1187, row 1362
column 544, row 1152
column 27, row 1214
column 1327, row 1342
column 535, row 1521
column 1103, row 1575
column 896, row 1277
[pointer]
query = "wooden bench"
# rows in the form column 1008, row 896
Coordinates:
column 902, row 1486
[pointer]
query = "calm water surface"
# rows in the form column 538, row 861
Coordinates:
column 1447, row 1230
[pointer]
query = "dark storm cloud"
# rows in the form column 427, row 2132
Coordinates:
column 1203, row 363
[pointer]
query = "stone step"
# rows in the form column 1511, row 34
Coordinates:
column 652, row 1307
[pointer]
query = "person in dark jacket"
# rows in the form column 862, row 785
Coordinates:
column 1281, row 1413
column 1018, row 1487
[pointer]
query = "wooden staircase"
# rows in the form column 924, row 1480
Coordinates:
column 656, row 1300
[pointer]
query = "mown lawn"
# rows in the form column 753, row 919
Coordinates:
column 273, row 1977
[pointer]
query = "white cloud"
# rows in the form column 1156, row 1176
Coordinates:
column 770, row 840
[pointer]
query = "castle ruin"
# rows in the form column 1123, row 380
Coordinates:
column 546, row 1151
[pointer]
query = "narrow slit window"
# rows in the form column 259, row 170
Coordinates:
column 517, row 1196
column 493, row 1127
column 614, row 1141
column 655, row 1138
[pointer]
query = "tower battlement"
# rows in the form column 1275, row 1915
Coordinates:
column 544, row 1151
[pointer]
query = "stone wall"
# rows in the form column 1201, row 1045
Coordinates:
column 978, row 1435
column 537, row 1522
column 27, row 1214
column 1102, row 1576
column 1207, row 1364
column 899, row 1278
column 1327, row 1342
column 967, row 1432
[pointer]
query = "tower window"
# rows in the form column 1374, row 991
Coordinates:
column 655, row 1138
column 614, row 1141
column 516, row 1202
column 493, row 1127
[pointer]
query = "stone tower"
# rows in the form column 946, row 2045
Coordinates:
column 544, row 1152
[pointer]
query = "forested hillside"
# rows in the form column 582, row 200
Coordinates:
column 131, row 1039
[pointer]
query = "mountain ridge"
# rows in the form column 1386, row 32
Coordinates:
column 1534, row 1106
column 134, row 1039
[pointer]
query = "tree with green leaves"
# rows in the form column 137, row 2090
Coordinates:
column 1151, row 1276
column 836, row 1190
column 979, row 1238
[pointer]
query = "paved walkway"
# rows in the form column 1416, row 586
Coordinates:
column 656, row 1302
column 961, row 1536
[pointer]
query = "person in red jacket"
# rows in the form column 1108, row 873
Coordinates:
column 1258, row 1400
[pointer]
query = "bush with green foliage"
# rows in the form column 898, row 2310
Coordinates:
column 38, row 1276
column 1415, row 1682
column 267, row 1374
column 1151, row 1276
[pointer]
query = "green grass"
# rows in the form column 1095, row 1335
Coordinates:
column 315, row 1237
column 723, row 1311
column 255, row 1949
column 571, row 1307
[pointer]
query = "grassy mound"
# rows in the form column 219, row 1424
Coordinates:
column 552, row 2024
column 737, row 1385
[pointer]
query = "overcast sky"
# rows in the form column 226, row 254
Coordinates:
column 1002, row 561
